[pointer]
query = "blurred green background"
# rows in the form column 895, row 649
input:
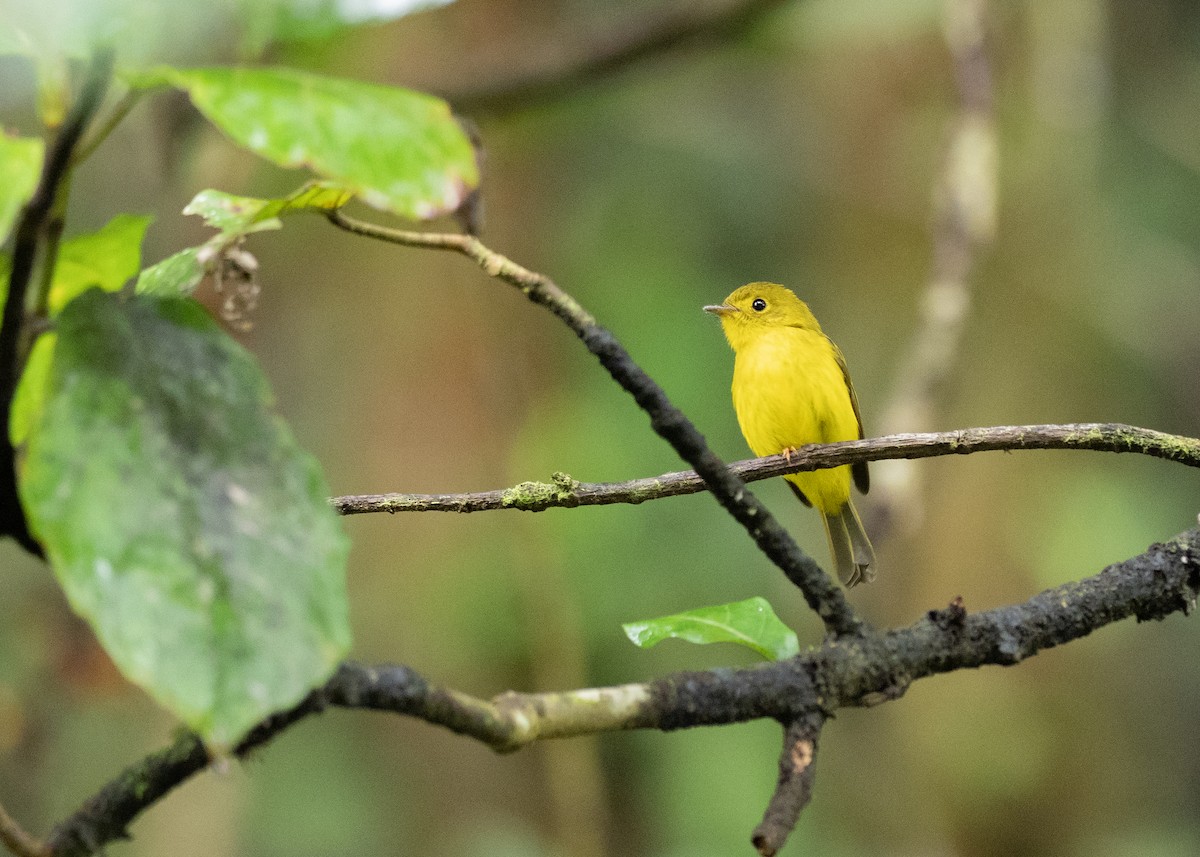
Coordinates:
column 803, row 149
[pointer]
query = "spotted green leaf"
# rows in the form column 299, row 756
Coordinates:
column 181, row 517
column 396, row 149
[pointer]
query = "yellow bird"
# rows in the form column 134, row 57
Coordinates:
column 790, row 389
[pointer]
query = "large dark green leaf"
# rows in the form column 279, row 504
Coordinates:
column 182, row 519
column 398, row 150
column 107, row 259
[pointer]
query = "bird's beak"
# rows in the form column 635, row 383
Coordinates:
column 721, row 309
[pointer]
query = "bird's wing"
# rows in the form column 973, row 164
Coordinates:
column 800, row 494
column 862, row 477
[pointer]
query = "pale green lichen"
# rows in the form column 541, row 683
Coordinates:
column 536, row 496
column 1128, row 438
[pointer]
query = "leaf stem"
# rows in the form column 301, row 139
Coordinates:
column 801, row 691
column 100, row 133
column 38, row 304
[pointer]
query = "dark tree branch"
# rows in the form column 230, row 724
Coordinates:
column 863, row 670
column 793, row 790
column 36, row 218
column 823, row 595
column 563, row 491
column 657, row 33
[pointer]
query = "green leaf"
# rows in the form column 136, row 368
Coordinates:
column 750, row 623
column 234, row 217
column 146, row 30
column 20, row 167
column 178, row 275
column 107, row 258
column 321, row 19
column 29, row 399
column 399, row 150
column 241, row 215
column 181, row 517
column 230, row 214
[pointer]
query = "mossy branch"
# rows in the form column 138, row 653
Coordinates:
column 563, row 491
column 801, row 692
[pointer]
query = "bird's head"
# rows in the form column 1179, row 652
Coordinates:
column 757, row 307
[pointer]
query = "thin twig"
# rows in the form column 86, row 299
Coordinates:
column 793, row 790
column 38, row 304
column 28, row 238
column 564, row 492
column 824, row 596
column 860, row 671
column 17, row 840
column 100, row 133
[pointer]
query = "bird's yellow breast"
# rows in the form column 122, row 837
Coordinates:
column 789, row 390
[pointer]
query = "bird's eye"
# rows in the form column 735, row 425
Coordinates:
column 759, row 305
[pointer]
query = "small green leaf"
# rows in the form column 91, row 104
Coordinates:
column 241, row 215
column 181, row 517
column 20, row 167
column 107, row 258
column 230, row 214
column 751, row 623
column 314, row 196
column 234, row 217
column 399, row 150
column 30, row 396
column 178, row 275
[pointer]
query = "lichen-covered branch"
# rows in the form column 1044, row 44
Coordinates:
column 823, row 595
column 862, row 670
column 563, row 491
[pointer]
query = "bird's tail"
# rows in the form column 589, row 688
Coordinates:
column 851, row 549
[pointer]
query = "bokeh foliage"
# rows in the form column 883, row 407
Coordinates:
column 803, row 151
